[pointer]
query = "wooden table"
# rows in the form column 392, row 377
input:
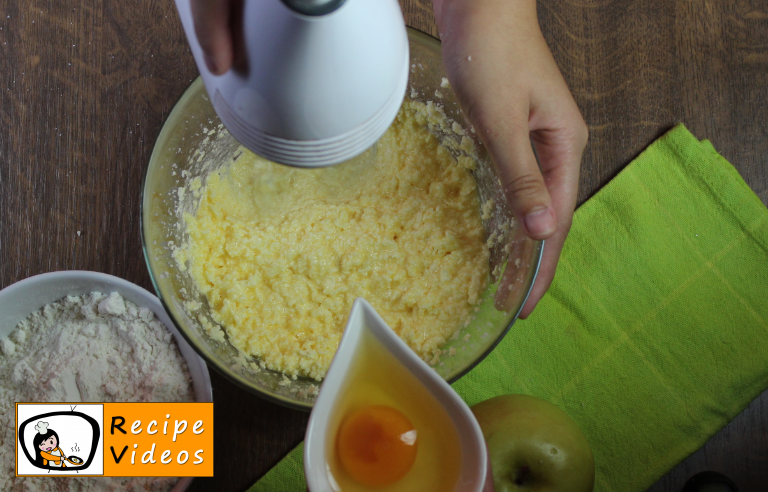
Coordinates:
column 85, row 87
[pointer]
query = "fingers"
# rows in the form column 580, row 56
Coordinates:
column 502, row 122
column 523, row 183
column 549, row 260
column 560, row 148
column 213, row 29
column 496, row 101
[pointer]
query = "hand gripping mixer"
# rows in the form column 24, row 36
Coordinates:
column 315, row 83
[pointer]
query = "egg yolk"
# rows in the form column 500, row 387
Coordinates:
column 376, row 445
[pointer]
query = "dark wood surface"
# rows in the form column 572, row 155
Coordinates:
column 85, row 87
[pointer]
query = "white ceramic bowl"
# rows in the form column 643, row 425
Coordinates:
column 21, row 299
column 364, row 322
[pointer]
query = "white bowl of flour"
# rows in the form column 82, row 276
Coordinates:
column 98, row 320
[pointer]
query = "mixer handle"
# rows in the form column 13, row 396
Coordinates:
column 314, row 7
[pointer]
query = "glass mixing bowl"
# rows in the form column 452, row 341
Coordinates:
column 193, row 142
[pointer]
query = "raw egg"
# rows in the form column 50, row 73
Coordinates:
column 377, row 445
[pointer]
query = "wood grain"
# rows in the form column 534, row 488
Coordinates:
column 85, row 87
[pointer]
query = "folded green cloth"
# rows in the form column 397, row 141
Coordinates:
column 654, row 333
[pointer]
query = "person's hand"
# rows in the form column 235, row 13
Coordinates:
column 512, row 92
column 214, row 29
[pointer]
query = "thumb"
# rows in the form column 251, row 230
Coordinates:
column 509, row 144
column 212, row 27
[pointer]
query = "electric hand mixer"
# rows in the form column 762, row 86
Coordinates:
column 320, row 80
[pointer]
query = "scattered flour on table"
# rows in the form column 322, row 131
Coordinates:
column 91, row 348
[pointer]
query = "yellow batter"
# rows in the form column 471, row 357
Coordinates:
column 281, row 253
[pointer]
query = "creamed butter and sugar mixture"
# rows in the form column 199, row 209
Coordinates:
column 281, row 253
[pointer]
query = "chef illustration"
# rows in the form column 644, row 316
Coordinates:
column 47, row 450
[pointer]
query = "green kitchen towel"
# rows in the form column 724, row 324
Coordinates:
column 654, row 333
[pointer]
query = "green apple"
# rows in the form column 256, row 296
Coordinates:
column 533, row 445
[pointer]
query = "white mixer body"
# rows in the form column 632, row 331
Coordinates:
column 312, row 91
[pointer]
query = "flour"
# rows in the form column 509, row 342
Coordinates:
column 91, row 348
